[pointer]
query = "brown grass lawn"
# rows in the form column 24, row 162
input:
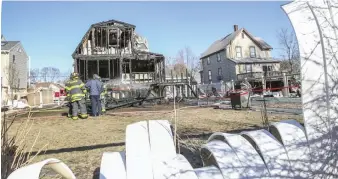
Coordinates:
column 81, row 143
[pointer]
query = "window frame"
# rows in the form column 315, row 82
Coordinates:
column 252, row 54
column 218, row 57
column 246, row 68
column 240, row 48
column 13, row 59
column 220, row 69
column 267, row 67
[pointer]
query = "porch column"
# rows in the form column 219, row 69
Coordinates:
column 233, row 85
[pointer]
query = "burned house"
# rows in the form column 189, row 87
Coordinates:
column 113, row 50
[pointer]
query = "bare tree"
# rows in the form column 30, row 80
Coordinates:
column 185, row 61
column 290, row 52
column 54, row 74
column 34, row 75
column 50, row 74
column 44, row 73
column 179, row 66
column 192, row 62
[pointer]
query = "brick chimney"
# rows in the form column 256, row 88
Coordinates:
column 235, row 28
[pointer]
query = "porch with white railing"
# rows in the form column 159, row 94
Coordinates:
column 259, row 75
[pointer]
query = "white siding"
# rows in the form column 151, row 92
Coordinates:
column 245, row 43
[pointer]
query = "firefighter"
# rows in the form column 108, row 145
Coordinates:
column 95, row 88
column 76, row 92
column 69, row 104
column 103, row 97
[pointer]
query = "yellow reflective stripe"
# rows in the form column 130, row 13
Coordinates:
column 76, row 95
column 76, row 86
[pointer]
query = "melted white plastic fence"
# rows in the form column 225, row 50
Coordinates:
column 288, row 150
column 33, row 171
column 113, row 160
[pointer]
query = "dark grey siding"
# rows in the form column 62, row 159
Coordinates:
column 228, row 68
column 21, row 64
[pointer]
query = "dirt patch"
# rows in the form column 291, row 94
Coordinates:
column 80, row 144
column 296, row 106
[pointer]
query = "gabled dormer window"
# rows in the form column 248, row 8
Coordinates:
column 252, row 52
column 238, row 52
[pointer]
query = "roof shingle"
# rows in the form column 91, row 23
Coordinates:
column 8, row 45
column 222, row 43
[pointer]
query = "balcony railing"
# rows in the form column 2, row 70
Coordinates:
column 258, row 75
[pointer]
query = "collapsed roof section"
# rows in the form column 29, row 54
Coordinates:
column 113, row 50
column 112, row 38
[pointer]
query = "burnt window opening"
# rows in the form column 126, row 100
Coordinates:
column 125, row 37
column 103, row 69
column 92, row 68
column 143, row 66
column 96, row 37
column 112, row 37
column 104, row 37
column 125, row 68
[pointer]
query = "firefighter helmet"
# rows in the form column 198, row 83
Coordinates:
column 74, row 75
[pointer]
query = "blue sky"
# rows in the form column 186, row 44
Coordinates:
column 50, row 31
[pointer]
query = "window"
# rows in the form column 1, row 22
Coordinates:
column 239, row 52
column 13, row 58
column 252, row 52
column 208, row 60
column 243, row 35
column 112, row 37
column 219, row 71
column 248, row 68
column 242, row 68
column 267, row 68
column 209, row 74
column 218, row 57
